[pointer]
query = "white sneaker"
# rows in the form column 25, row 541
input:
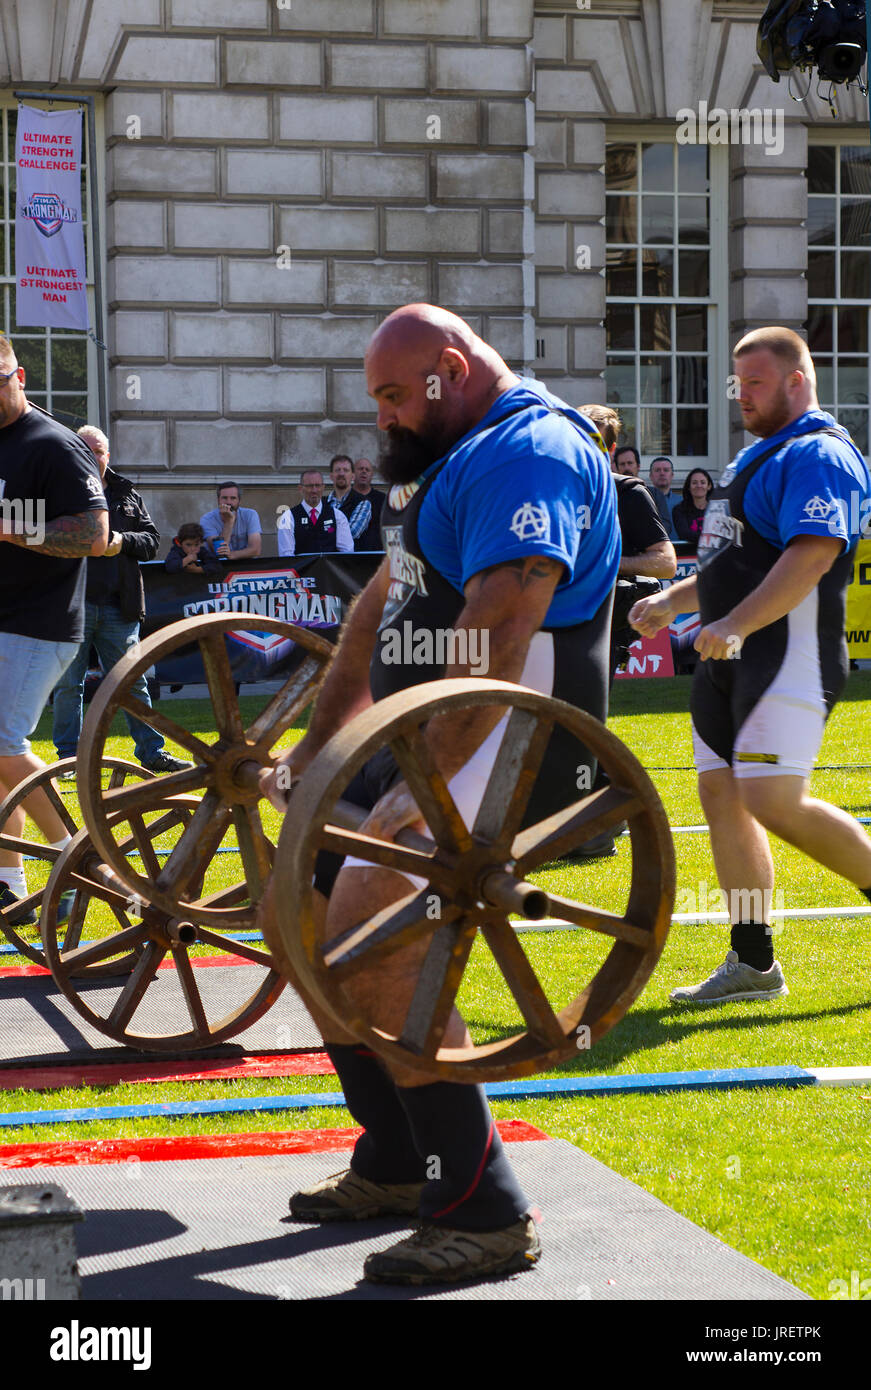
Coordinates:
column 733, row 981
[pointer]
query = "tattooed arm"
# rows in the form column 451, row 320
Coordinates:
column 505, row 606
column 67, row 536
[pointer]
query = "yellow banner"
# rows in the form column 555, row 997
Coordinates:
column 859, row 604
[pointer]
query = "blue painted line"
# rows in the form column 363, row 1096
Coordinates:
column 232, row 935
column 728, row 1078
column 736, row 1077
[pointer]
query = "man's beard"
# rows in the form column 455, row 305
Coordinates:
column 773, row 420
column 405, row 455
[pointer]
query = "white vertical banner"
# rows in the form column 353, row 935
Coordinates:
column 50, row 263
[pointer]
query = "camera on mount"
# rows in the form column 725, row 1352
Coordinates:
column 829, row 35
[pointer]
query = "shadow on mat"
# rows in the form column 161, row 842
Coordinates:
column 182, row 1276
column 105, row 1229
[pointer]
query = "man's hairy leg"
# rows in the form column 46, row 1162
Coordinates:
column 824, row 832
column 383, row 989
column 739, row 844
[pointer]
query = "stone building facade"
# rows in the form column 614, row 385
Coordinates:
column 277, row 175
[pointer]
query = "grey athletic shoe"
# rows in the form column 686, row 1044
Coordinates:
column 733, row 981
column 436, row 1254
column 348, row 1197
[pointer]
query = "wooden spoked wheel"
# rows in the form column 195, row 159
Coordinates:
column 224, row 772
column 113, row 773
column 139, row 1012
column 475, row 877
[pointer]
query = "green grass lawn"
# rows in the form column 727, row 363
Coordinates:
column 781, row 1175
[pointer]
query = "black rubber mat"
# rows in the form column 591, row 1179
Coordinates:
column 38, row 1023
column 219, row 1229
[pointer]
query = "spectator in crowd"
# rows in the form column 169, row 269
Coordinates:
column 661, row 475
column 627, row 461
column 233, row 531
column 114, row 608
column 356, row 508
column 189, row 554
column 689, row 514
column 62, row 518
column 371, row 537
column 313, row 526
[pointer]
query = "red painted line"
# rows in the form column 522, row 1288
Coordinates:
column 108, row 1073
column 198, row 962
column 82, row 1151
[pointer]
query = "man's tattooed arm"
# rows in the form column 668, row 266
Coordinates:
column 514, row 575
column 67, row 537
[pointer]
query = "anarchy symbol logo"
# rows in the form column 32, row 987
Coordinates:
column 530, row 523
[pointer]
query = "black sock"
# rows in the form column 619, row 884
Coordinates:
column 385, row 1151
column 754, row 944
column 472, row 1185
column 867, row 892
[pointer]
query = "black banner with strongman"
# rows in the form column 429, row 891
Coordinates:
column 313, row 591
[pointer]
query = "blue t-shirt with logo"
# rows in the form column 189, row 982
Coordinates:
column 820, row 486
column 531, row 484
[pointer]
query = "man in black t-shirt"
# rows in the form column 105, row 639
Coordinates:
column 52, row 514
column 114, row 608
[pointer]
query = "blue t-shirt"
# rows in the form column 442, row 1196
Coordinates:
column 820, row 486
column 535, row 484
column 245, row 525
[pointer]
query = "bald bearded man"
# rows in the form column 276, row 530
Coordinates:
column 501, row 521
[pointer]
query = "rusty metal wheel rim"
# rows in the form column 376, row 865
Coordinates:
column 119, row 772
column 149, row 943
column 227, row 796
column 639, row 935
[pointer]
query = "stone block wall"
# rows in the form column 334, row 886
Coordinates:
column 296, row 174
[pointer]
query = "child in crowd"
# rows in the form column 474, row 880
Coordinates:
column 189, row 553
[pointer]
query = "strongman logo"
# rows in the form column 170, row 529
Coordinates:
column 407, row 575
column 721, row 529
column 818, row 508
column 48, row 213
column 530, row 523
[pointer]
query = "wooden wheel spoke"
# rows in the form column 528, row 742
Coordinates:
column 193, row 847
column 144, row 843
column 256, row 858
column 75, row 923
column 567, row 829
column 234, row 948
column 430, row 790
column 512, row 778
column 595, row 919
column 169, row 728
column 436, row 988
column 222, row 688
column 389, row 855
column 192, row 996
column 94, row 886
column 223, row 897
column 104, row 948
column 58, row 805
column 33, row 847
column 395, row 925
column 130, row 998
column 122, row 802
column 523, row 982
column 285, row 707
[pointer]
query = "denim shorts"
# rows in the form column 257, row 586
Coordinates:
column 29, row 670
